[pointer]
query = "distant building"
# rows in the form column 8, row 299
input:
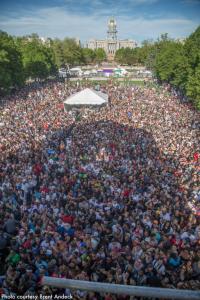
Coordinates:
column 77, row 41
column 111, row 44
column 181, row 40
column 43, row 40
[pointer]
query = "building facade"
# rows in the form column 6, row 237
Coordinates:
column 111, row 44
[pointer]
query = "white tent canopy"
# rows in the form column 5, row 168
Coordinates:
column 76, row 69
column 86, row 97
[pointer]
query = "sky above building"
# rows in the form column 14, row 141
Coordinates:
column 85, row 19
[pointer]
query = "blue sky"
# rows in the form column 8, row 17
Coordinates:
column 85, row 19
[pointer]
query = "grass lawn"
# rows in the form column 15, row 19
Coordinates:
column 137, row 82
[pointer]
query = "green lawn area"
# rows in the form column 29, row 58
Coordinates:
column 136, row 82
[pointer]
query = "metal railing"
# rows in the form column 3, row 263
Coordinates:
column 139, row 291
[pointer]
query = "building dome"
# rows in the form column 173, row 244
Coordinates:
column 112, row 29
column 112, row 22
column 111, row 44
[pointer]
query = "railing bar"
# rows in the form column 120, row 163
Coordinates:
column 140, row 291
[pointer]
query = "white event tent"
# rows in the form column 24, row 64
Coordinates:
column 86, row 98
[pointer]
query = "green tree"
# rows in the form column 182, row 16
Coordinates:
column 72, row 53
column 164, row 38
column 100, row 55
column 38, row 58
column 169, row 59
column 57, row 47
column 67, row 52
column 151, row 58
column 144, row 51
column 192, row 48
column 138, row 55
column 50, row 59
column 11, row 68
column 88, row 55
column 120, row 56
column 127, row 56
column 192, row 53
column 193, row 87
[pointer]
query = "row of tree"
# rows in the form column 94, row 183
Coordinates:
column 23, row 58
column 68, row 51
column 173, row 62
column 136, row 56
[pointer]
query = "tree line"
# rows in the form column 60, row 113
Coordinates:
column 173, row 62
column 23, row 58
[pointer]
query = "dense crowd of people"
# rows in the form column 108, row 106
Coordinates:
column 112, row 196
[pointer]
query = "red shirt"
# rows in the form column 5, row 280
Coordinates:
column 67, row 219
column 108, row 298
column 173, row 241
column 44, row 189
column 196, row 156
column 126, row 193
column 27, row 244
column 37, row 169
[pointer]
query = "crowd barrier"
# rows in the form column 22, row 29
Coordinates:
column 139, row 291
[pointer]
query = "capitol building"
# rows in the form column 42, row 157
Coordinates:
column 111, row 44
